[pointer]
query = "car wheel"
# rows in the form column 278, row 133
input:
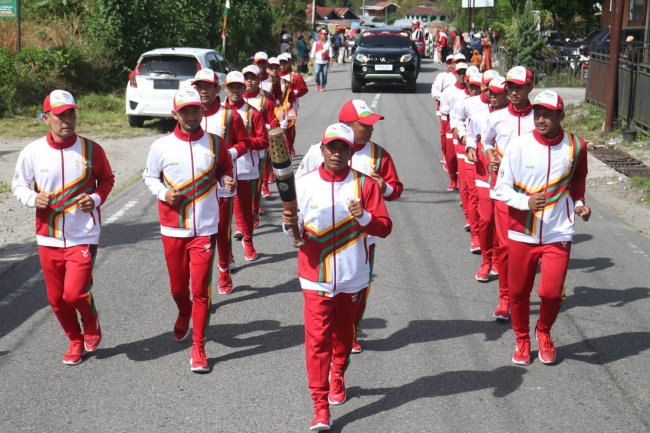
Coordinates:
column 136, row 121
column 410, row 86
column 357, row 85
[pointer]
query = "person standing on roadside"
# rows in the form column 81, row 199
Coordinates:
column 339, row 208
column 542, row 179
column 302, row 54
column 183, row 171
column 321, row 57
column 67, row 178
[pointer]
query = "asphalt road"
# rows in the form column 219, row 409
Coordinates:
column 435, row 361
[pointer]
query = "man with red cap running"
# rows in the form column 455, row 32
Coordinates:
column 183, row 171
column 67, row 178
column 542, row 180
column 339, row 207
column 504, row 126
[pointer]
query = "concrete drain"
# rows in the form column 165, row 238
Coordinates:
column 621, row 161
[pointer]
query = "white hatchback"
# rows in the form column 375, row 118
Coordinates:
column 160, row 73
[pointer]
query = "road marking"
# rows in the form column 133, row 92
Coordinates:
column 120, row 213
column 375, row 101
column 37, row 277
column 27, row 285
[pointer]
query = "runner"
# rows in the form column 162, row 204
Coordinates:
column 67, row 178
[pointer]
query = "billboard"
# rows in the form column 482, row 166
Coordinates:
column 8, row 9
column 478, row 4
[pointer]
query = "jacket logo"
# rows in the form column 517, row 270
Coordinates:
column 84, row 253
column 207, row 247
column 313, row 206
column 530, row 164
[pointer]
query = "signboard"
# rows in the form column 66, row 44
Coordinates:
column 478, row 4
column 8, row 9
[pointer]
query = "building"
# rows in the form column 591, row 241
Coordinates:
column 634, row 13
column 427, row 12
column 380, row 10
column 331, row 13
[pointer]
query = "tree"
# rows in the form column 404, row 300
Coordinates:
column 523, row 39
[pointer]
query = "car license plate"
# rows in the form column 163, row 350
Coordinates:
column 383, row 67
column 165, row 84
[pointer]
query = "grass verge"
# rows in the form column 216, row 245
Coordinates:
column 643, row 184
column 99, row 115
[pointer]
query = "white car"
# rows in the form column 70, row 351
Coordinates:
column 160, row 73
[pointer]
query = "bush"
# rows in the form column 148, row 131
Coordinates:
column 7, row 81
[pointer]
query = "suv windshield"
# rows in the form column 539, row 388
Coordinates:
column 176, row 66
column 393, row 40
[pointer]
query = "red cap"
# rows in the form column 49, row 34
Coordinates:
column 519, row 75
column 549, row 99
column 58, row 101
column 357, row 110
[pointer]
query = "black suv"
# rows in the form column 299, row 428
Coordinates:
column 385, row 54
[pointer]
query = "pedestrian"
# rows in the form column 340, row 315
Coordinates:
column 183, row 171
column 486, row 59
column 247, row 164
column 302, row 55
column 502, row 127
column 542, row 179
column 339, row 208
column 321, row 57
column 226, row 123
column 449, row 97
column 67, row 178
column 370, row 159
column 440, row 83
column 291, row 82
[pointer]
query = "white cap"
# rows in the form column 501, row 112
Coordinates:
column 234, row 77
column 187, row 96
column 471, row 70
column 459, row 56
column 260, row 55
column 284, row 57
column 58, row 101
column 207, row 75
column 274, row 61
column 339, row 131
column 460, row 66
column 251, row 69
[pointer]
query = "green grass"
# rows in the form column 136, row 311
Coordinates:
column 643, row 184
column 561, row 80
column 4, row 187
column 99, row 115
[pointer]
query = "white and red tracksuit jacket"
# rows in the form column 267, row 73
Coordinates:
column 557, row 167
column 263, row 102
column 67, row 169
column 450, row 98
column 335, row 257
column 440, row 83
column 272, row 86
column 298, row 84
column 505, row 125
column 248, row 164
column 485, row 177
column 367, row 159
column 472, row 114
column 195, row 164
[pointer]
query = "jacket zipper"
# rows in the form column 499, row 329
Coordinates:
column 193, row 187
column 63, row 199
column 333, row 238
column 548, row 173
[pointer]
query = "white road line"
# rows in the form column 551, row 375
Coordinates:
column 120, row 213
column 27, row 285
column 375, row 101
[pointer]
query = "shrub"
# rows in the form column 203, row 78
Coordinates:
column 7, row 81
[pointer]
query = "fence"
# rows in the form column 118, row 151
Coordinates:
column 633, row 89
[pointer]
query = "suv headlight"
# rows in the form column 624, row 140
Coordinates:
column 406, row 58
column 361, row 58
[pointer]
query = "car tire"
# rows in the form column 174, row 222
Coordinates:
column 136, row 121
column 357, row 85
column 411, row 85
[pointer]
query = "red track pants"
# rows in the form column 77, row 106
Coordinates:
column 68, row 281
column 244, row 205
column 363, row 294
column 469, row 195
column 486, row 227
column 554, row 259
column 450, row 152
column 329, row 332
column 190, row 260
column 501, row 222
column 290, row 137
column 224, row 236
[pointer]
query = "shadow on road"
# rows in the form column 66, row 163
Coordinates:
column 592, row 297
column 591, row 265
column 581, row 237
column 604, row 350
column 504, row 381
column 291, row 286
column 425, row 331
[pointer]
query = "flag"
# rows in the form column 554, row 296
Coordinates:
column 226, row 8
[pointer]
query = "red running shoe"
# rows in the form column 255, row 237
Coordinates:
column 483, row 273
column 501, row 312
column 75, row 352
column 337, row 389
column 356, row 347
column 249, row 251
column 182, row 327
column 474, row 245
column 546, row 352
column 198, row 359
column 495, row 267
column 321, row 420
column 92, row 339
column 522, row 353
column 266, row 192
column 452, row 186
column 225, row 282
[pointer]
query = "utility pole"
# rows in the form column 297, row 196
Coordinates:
column 646, row 51
column 313, row 14
column 611, row 94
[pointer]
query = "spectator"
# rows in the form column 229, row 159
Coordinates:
column 301, row 53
